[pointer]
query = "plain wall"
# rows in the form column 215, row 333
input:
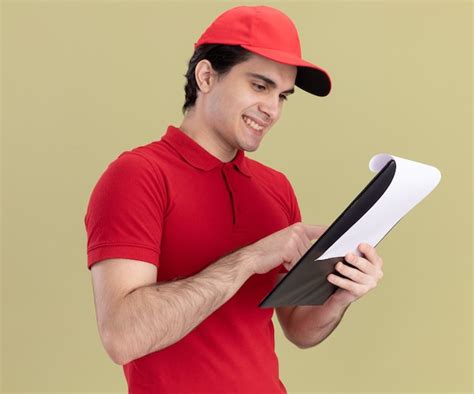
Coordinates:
column 82, row 81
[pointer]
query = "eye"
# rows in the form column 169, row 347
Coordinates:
column 283, row 97
column 259, row 87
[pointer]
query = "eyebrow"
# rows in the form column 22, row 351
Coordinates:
column 271, row 82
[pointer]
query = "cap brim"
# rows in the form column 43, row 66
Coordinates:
column 311, row 78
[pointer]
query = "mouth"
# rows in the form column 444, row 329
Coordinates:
column 254, row 125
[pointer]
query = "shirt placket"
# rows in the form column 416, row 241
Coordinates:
column 227, row 172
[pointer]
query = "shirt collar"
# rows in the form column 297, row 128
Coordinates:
column 197, row 156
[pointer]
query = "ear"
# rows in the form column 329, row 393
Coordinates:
column 205, row 75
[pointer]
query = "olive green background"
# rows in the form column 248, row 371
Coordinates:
column 83, row 81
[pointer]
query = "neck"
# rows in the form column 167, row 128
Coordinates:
column 193, row 126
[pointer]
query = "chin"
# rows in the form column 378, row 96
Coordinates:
column 249, row 148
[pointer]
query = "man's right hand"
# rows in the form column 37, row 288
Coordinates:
column 283, row 247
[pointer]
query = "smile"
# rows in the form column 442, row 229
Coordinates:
column 249, row 122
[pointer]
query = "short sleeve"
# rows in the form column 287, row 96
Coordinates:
column 294, row 210
column 124, row 217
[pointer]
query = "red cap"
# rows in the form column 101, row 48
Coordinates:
column 268, row 32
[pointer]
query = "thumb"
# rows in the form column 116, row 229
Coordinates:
column 314, row 231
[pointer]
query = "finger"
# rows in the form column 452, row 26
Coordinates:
column 353, row 273
column 359, row 262
column 346, row 284
column 303, row 243
column 314, row 231
column 302, row 247
column 306, row 242
column 371, row 254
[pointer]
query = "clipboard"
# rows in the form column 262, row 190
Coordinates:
column 398, row 186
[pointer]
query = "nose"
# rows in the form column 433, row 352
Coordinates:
column 270, row 106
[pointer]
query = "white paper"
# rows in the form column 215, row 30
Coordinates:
column 411, row 183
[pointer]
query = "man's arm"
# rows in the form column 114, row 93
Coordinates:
column 153, row 317
column 307, row 326
column 137, row 316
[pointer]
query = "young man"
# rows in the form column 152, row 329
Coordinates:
column 186, row 235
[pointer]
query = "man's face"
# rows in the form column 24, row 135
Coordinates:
column 245, row 103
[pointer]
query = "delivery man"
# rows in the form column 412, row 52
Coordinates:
column 186, row 235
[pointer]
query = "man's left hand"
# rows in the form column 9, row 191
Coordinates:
column 361, row 279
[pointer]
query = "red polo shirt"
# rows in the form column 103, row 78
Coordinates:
column 172, row 204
